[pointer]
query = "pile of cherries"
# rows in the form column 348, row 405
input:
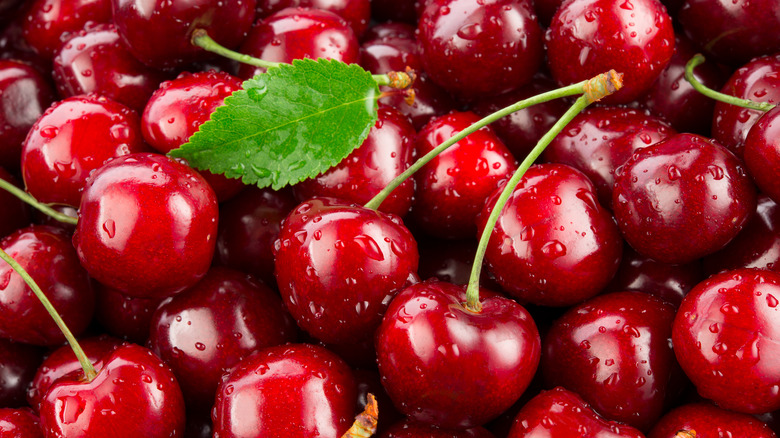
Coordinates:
column 631, row 284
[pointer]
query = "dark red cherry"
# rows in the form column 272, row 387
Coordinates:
column 759, row 81
column 430, row 101
column 412, row 429
column 725, row 338
column 296, row 33
column 441, row 362
column 762, row 153
column 386, row 153
column 7, row 8
column 390, row 53
column 553, row 244
column 599, row 140
column 147, row 225
column 123, row 316
column 133, row 395
column 206, row 330
column 24, row 96
column 368, row 382
column 49, row 23
column 96, row 60
column 18, row 363
column 452, row 187
column 19, row 423
column 709, row 421
column 15, row 214
column 339, row 265
column 446, row 260
column 614, row 350
column 71, row 140
column 562, row 413
column 158, row 32
column 682, row 198
column 356, row 12
column 47, row 255
column 474, row 49
column 291, row 390
column 588, row 37
column 391, row 30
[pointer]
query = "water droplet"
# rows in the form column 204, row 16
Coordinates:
column 49, row 131
column 109, row 227
column 369, row 247
column 674, row 173
column 200, row 346
column 554, row 248
column 771, row 301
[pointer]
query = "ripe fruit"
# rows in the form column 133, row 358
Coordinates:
column 709, row 421
column 18, row 363
column 19, row 423
column 762, row 153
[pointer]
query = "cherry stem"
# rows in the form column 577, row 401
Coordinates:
column 697, row 60
column 595, row 89
column 685, row 434
column 366, row 422
column 26, row 197
column 89, row 370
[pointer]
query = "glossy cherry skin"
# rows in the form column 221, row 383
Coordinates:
column 18, row 363
column 759, row 81
column 207, row 329
column 356, row 12
column 248, row 226
column 16, row 214
column 96, row 60
column 455, row 35
column 49, row 23
column 587, row 37
column 553, row 244
column 599, row 140
column 24, row 96
column 297, row 33
column 430, row 101
column 19, row 423
column 412, row 429
column 614, row 351
column 72, row 139
column 709, row 422
column 561, row 413
column 725, row 337
column 147, row 225
column 123, row 316
column 682, row 198
column 390, row 53
column 452, row 187
column 63, row 361
column 443, row 364
column 386, row 153
column 276, row 392
column 46, row 254
column 339, row 265
column 762, row 153
column 133, row 395
column 144, row 25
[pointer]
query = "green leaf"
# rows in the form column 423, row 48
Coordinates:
column 288, row 124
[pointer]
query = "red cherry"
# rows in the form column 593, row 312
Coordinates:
column 16, row 214
column 356, row 12
column 18, row 363
column 412, row 429
column 368, row 382
column 725, row 339
column 709, row 421
column 124, row 316
column 19, row 423
column 762, row 153
column 430, row 101
column 49, row 23
column 389, row 29
column 443, row 364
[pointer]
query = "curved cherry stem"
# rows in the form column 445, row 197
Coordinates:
column 45, row 209
column 697, row 60
column 89, row 370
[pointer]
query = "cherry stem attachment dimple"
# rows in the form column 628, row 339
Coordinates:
column 45, row 209
column 697, row 60
column 86, row 365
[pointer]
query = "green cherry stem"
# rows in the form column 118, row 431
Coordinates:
column 697, row 60
column 26, row 197
column 89, row 370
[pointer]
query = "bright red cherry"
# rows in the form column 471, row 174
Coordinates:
column 49, row 23
column 709, row 421
column 443, row 364
column 430, row 101
column 295, row 390
column 16, row 214
column 725, row 339
column 762, row 153
column 124, row 316
column 147, row 225
column 19, row 423
column 356, row 12
column 412, row 429
column 18, row 363
column 390, row 53
column 682, row 198
column 588, row 37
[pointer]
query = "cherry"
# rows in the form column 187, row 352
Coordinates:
column 24, row 95
column 133, row 395
column 6, row 10
column 51, row 22
column 560, row 412
column 356, row 12
column 72, row 139
column 634, row 38
column 725, row 339
column 368, row 382
column 386, row 153
column 446, row 260
column 553, row 244
column 296, row 33
column 413, row 429
column 390, row 53
column 124, row 316
column 599, row 140
column 452, row 187
column 709, row 421
column 147, row 225
column 207, row 329
column 390, row 30
column 614, row 351
column 158, row 32
column 15, row 213
column 443, row 364
column 456, row 35
column 404, row 11
column 96, row 60
column 682, row 198
column 46, row 254
column 430, row 101
column 19, row 423
column 18, row 363
column 762, row 153
column 296, row 390
column 339, row 265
